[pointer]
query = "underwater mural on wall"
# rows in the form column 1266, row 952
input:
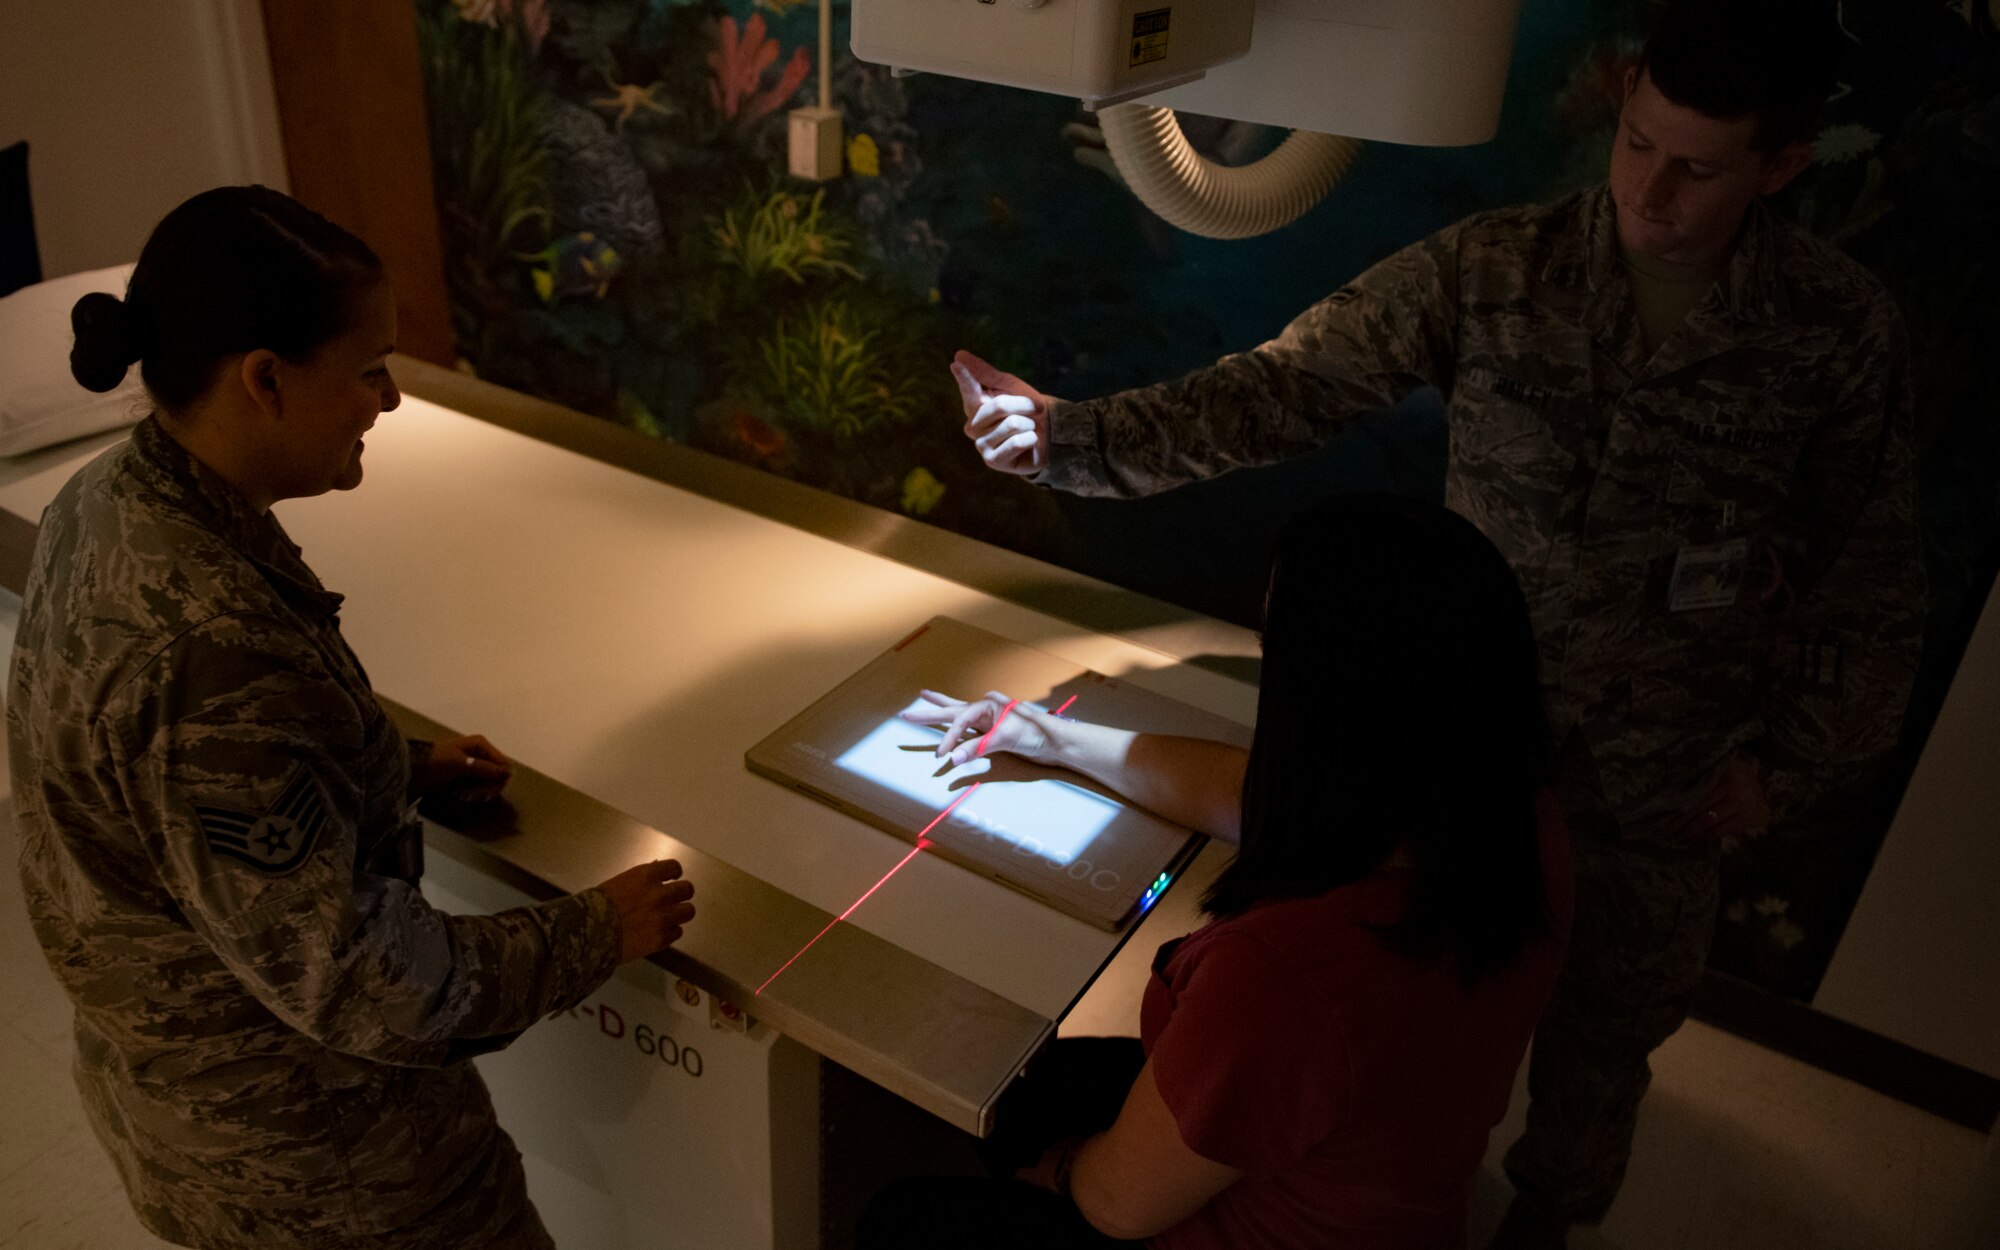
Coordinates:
column 621, row 236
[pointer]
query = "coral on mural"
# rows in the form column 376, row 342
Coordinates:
column 599, row 185
column 738, row 60
column 532, row 15
column 671, row 278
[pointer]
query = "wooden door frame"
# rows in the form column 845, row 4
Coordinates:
column 350, row 91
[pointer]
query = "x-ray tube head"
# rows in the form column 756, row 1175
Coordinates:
column 1403, row 71
column 1097, row 50
column 1428, row 72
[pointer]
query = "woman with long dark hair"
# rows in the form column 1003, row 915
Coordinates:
column 1320, row 1064
column 218, row 843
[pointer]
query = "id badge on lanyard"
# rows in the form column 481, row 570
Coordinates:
column 1708, row 576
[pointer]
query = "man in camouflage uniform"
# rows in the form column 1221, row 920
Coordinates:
column 1698, row 466
column 220, row 859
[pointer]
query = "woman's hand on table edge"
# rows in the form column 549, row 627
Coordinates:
column 653, row 904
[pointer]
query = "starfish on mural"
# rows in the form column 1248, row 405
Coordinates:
column 628, row 98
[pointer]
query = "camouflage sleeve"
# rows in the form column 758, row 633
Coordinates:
column 1840, row 674
column 1389, row 332
column 243, row 769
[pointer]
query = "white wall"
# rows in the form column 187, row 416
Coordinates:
column 1920, row 961
column 129, row 107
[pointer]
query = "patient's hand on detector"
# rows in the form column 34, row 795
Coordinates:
column 1024, row 731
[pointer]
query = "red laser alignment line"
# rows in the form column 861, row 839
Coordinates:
column 921, row 844
column 918, row 849
column 997, row 722
column 1065, row 706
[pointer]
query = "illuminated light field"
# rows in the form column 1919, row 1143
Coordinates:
column 914, row 852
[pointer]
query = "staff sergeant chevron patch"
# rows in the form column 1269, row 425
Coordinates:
column 277, row 841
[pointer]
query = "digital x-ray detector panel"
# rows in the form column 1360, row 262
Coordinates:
column 1054, row 835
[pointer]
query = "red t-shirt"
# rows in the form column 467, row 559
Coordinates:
column 1354, row 1086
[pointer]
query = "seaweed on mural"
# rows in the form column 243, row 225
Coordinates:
column 485, row 112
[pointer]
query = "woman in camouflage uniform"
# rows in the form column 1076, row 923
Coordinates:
column 218, row 843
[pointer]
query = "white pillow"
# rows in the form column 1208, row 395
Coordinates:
column 40, row 403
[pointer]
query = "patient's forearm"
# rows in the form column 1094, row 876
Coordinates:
column 1191, row 781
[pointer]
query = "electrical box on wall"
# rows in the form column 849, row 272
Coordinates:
column 814, row 149
column 1101, row 51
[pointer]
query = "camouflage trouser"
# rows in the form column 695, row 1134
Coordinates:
column 486, row 1206
column 490, row 1212
column 1645, row 912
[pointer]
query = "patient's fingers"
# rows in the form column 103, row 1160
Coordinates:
column 961, row 719
column 942, row 708
column 960, row 723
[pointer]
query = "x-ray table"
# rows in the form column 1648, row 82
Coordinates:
column 626, row 640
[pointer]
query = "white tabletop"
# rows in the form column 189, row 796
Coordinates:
column 631, row 639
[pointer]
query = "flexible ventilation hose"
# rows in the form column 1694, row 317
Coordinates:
column 1220, row 201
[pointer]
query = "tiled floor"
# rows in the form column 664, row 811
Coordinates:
column 1739, row 1148
column 1743, row 1149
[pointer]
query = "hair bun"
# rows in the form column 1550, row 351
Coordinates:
column 108, row 341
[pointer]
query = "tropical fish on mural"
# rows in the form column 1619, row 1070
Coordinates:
column 863, row 157
column 921, row 491
column 576, row 264
column 757, row 434
column 599, row 185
